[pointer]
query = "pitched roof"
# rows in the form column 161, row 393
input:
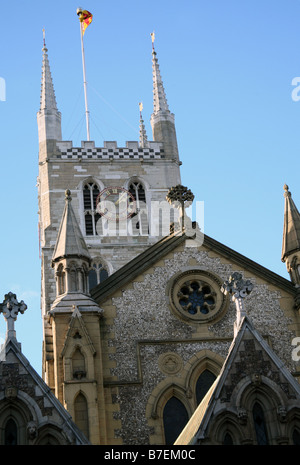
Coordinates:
column 197, row 426
column 161, row 248
column 136, row 266
column 70, row 241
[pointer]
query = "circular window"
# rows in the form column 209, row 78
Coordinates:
column 195, row 295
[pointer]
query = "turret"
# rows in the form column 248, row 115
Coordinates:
column 71, row 258
column 291, row 238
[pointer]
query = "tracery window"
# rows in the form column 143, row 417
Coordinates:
column 97, row 274
column 91, row 216
column 140, row 222
column 195, row 295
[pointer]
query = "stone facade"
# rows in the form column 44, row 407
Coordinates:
column 121, row 350
column 140, row 330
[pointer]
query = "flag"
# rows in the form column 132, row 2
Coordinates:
column 86, row 19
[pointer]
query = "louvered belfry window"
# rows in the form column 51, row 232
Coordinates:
column 91, row 216
column 137, row 190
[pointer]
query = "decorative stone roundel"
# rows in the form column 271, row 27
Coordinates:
column 195, row 295
column 170, row 363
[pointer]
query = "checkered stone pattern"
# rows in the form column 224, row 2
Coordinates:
column 119, row 153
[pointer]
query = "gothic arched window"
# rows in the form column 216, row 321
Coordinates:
column 11, row 433
column 203, row 384
column 91, row 216
column 259, row 425
column 81, row 414
column 60, row 276
column 140, row 220
column 78, row 364
column 227, row 441
column 97, row 274
column 175, row 417
column 296, row 437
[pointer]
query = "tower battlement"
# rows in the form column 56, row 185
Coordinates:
column 110, row 150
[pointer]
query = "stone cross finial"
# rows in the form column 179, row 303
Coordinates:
column 10, row 308
column 238, row 288
column 182, row 195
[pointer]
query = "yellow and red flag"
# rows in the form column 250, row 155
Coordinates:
column 86, row 19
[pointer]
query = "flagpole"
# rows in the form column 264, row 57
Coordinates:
column 79, row 13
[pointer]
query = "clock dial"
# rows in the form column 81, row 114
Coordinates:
column 115, row 203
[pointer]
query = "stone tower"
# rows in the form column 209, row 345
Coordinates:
column 80, row 248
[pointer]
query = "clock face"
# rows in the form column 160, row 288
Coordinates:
column 115, row 203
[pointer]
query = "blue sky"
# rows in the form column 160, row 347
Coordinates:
column 227, row 68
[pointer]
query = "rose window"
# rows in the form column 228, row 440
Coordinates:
column 195, row 297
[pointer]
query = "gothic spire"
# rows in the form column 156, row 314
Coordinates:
column 70, row 241
column 162, row 120
column 291, row 227
column 48, row 117
column 143, row 136
column 160, row 104
column 48, row 100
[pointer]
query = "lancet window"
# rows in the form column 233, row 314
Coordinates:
column 81, row 414
column 260, row 425
column 175, row 417
column 140, row 220
column 91, row 216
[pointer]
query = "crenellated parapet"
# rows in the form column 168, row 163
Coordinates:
column 110, row 150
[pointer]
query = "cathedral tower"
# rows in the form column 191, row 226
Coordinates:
column 80, row 246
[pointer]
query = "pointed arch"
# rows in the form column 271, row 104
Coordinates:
column 264, row 404
column 138, row 189
column 81, row 413
column 161, row 411
column 260, row 424
column 78, row 350
column 90, row 192
column 60, row 280
column 78, row 364
column 296, row 437
column 226, row 429
column 11, row 433
column 203, row 369
column 175, row 417
column 14, row 418
column 203, row 383
column 98, row 272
